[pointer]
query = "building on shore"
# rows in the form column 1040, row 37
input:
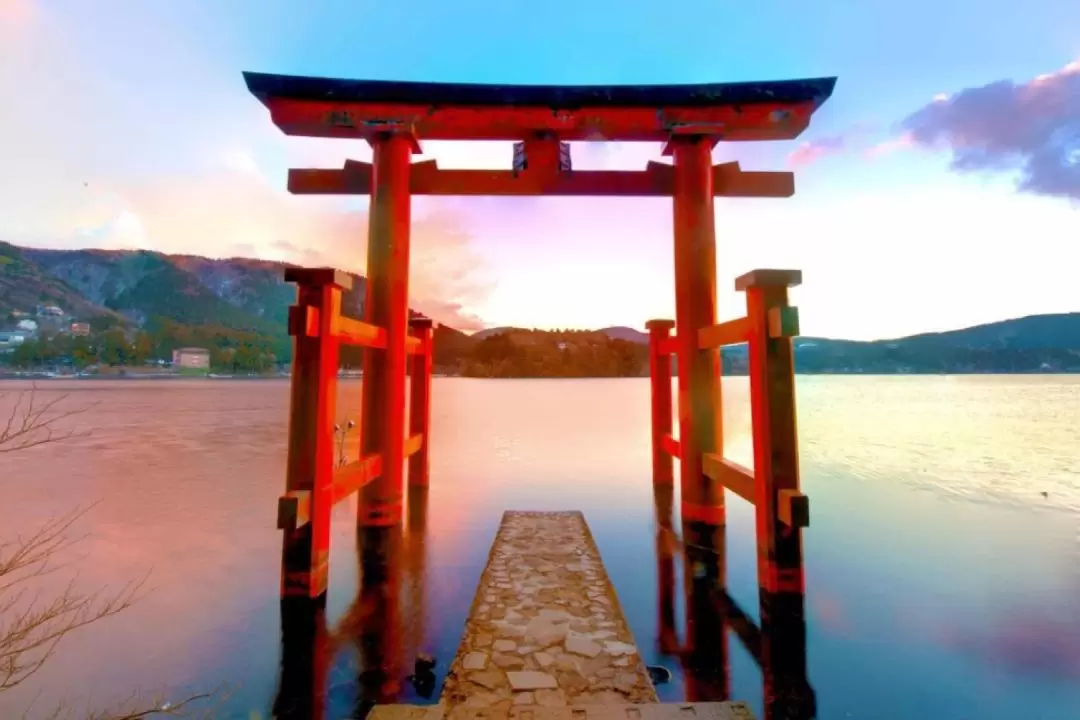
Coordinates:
column 11, row 339
column 191, row 358
column 49, row 311
column 80, row 329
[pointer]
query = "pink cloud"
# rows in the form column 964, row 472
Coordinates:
column 902, row 142
column 811, row 151
column 193, row 167
column 1031, row 127
column 814, row 150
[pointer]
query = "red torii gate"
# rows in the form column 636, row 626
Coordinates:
column 394, row 117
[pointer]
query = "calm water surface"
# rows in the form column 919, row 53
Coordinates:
column 941, row 582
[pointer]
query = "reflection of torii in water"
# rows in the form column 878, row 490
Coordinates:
column 778, row 645
column 385, row 622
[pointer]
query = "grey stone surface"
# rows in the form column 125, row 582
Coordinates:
column 538, row 710
column 546, row 630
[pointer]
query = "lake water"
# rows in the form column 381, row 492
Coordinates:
column 941, row 582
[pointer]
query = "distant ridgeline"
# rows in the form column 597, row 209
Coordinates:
column 140, row 306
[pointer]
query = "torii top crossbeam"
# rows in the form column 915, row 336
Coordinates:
column 542, row 117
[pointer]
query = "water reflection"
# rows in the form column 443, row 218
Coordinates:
column 777, row 644
column 385, row 624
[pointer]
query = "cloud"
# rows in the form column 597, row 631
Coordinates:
column 812, row 151
column 109, row 156
column 1032, row 128
column 903, row 141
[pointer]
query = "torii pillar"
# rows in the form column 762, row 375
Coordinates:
column 386, row 305
column 695, row 308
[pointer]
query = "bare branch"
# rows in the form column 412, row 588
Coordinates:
column 31, row 627
column 32, row 423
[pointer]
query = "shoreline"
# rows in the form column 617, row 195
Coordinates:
column 248, row 378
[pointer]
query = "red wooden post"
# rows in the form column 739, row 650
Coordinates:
column 387, row 307
column 695, row 308
column 660, row 376
column 781, row 509
column 420, row 402
column 699, row 401
column 310, row 465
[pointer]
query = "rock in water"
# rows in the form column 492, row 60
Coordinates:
column 424, row 663
column 658, row 674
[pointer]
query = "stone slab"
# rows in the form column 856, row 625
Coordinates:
column 546, row 617
column 651, row 711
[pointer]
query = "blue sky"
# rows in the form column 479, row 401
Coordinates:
column 131, row 127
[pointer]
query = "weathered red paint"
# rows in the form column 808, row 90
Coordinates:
column 657, row 180
column 310, row 463
column 772, row 410
column 420, row 401
column 695, row 308
column 387, row 307
column 355, row 120
column 660, row 384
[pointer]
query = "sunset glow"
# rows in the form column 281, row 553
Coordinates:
column 133, row 129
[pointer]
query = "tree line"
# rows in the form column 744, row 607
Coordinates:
column 116, row 346
column 553, row 354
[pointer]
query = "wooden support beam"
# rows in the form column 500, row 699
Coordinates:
column 318, row 277
column 294, row 509
column 355, row 476
column 414, row 443
column 730, row 181
column 413, row 345
column 657, row 180
column 360, row 333
column 731, row 332
column 670, row 445
column 303, row 321
column 793, row 508
column 731, row 475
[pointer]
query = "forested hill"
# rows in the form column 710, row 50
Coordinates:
column 1039, row 343
column 141, row 305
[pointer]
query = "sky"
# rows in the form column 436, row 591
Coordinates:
column 938, row 188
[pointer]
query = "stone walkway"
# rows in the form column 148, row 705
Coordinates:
column 545, row 630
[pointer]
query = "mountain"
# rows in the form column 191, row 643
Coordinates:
column 1036, row 343
column 625, row 333
column 239, row 294
column 176, row 300
column 24, row 285
column 240, row 302
column 491, row 332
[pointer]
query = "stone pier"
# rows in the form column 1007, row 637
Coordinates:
column 546, row 628
column 547, row 640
